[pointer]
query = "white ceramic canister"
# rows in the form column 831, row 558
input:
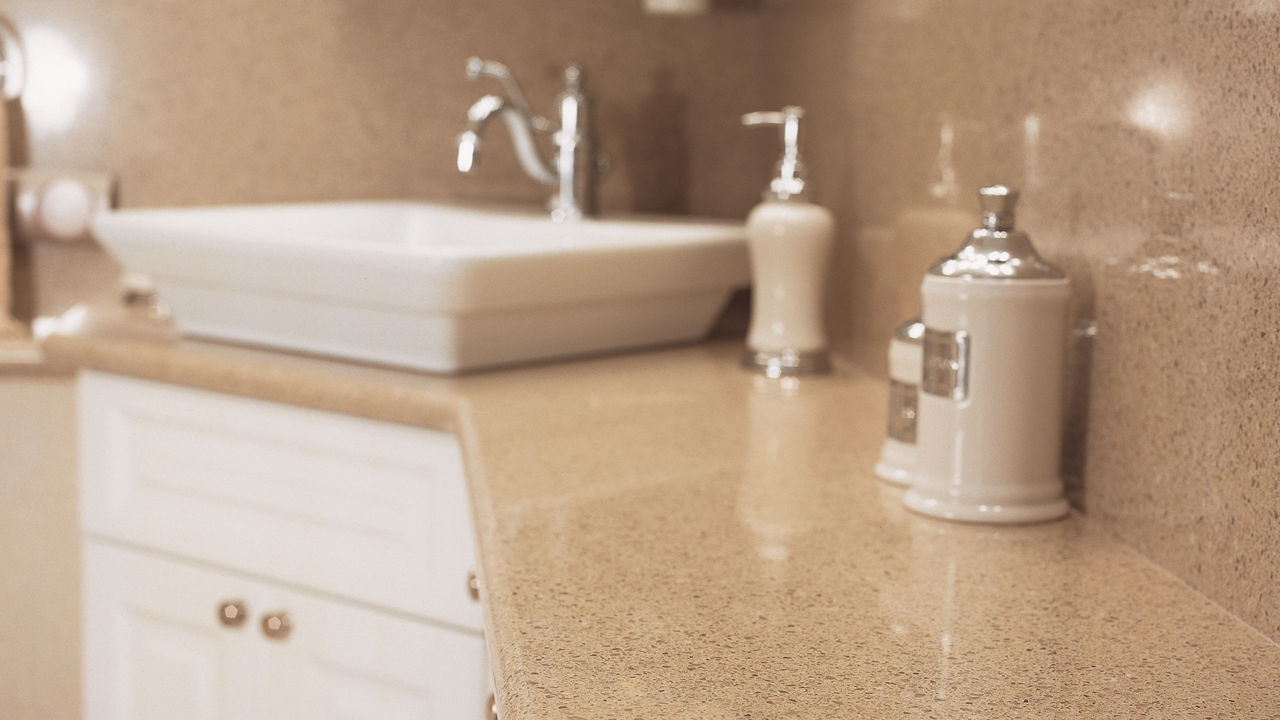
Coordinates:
column 989, row 432
column 789, row 241
column 898, row 454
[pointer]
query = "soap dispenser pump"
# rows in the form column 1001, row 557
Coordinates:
column 789, row 241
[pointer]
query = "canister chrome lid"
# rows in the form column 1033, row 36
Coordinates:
column 997, row 250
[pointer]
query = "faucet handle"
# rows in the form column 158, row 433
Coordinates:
column 479, row 67
column 476, row 67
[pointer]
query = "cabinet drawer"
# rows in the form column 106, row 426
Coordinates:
column 156, row 645
column 371, row 511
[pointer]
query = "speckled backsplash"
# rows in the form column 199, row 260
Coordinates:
column 1145, row 137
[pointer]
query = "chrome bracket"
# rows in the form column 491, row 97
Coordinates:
column 946, row 364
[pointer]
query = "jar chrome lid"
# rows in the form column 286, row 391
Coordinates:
column 997, row 250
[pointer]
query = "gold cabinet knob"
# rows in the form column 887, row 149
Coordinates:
column 473, row 585
column 232, row 613
column 277, row 625
column 491, row 708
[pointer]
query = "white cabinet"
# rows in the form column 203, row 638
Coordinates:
column 357, row 532
column 156, row 646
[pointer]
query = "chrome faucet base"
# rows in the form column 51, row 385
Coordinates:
column 786, row 363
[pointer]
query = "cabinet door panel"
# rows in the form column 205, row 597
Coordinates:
column 344, row 662
column 153, row 646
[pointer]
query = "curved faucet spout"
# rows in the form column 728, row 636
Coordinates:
column 519, row 124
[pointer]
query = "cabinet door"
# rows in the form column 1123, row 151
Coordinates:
column 154, row 647
column 344, row 662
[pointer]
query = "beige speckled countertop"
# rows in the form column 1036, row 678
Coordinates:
column 665, row 536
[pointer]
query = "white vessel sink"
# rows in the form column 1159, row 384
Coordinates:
column 434, row 287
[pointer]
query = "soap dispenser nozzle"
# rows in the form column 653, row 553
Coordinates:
column 789, row 181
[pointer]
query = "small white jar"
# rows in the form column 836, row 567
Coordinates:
column 898, row 455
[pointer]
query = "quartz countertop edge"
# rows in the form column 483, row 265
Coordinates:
column 24, row 357
column 663, row 535
column 363, row 391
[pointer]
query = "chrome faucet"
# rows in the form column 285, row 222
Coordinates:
column 572, row 170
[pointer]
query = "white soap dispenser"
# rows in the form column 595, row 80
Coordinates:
column 789, row 242
column 989, row 429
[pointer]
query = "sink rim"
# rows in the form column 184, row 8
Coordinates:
column 627, row 232
column 431, row 306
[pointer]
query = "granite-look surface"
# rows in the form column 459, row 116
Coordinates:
column 242, row 101
column 1144, row 136
column 664, row 535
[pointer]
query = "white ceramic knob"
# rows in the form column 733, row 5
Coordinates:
column 64, row 209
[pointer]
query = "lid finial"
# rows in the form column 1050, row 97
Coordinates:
column 999, row 203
